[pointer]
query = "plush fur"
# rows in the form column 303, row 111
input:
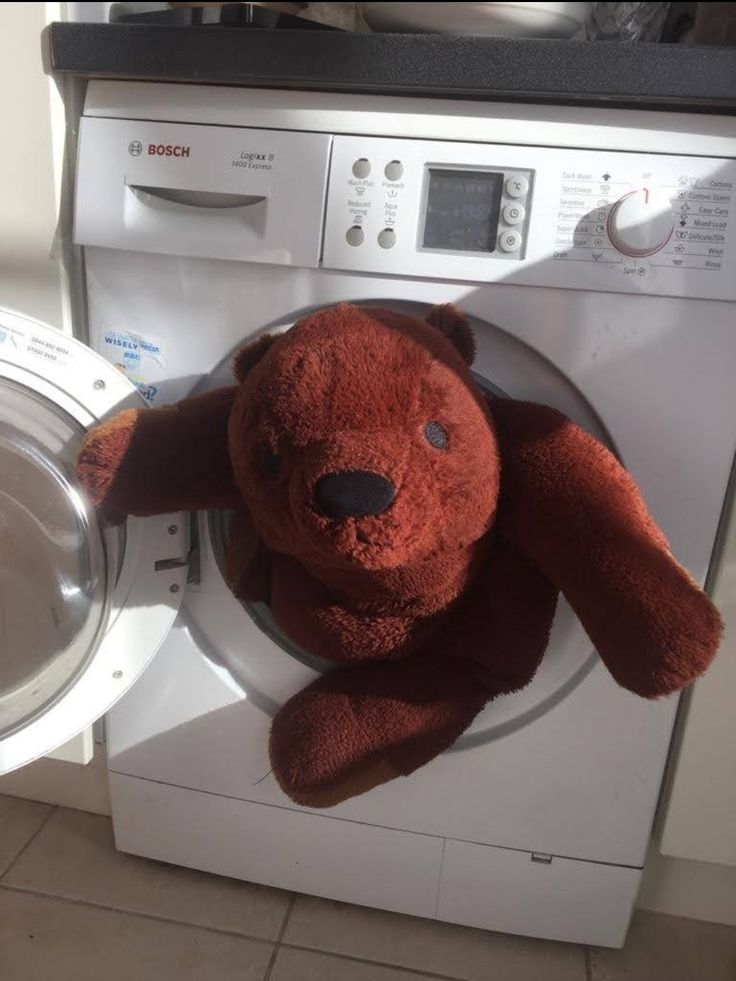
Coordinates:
column 409, row 529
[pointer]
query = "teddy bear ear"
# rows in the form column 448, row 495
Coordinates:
column 249, row 356
column 454, row 325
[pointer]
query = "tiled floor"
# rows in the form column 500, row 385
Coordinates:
column 74, row 909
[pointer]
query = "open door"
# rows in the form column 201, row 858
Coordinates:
column 83, row 608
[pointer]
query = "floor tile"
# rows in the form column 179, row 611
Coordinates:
column 74, row 856
column 19, row 821
column 425, row 945
column 44, row 939
column 669, row 948
column 307, row 965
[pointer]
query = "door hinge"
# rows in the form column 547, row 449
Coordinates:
column 192, row 559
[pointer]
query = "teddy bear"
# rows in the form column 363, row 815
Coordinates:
column 412, row 529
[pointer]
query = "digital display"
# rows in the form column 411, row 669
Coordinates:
column 462, row 210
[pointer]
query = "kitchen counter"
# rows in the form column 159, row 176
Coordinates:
column 642, row 76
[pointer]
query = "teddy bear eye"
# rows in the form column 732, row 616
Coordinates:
column 271, row 461
column 436, row 435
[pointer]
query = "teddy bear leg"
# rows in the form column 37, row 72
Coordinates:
column 358, row 727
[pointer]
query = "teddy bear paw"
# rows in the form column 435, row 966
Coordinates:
column 320, row 753
column 101, row 456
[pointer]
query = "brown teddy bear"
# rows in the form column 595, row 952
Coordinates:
column 405, row 525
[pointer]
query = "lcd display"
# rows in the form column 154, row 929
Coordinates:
column 462, row 210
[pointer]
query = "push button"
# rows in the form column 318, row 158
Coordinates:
column 387, row 238
column 510, row 241
column 513, row 214
column 517, row 186
column 362, row 168
column 394, row 170
column 355, row 235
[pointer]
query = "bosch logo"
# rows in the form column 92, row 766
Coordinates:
column 167, row 150
column 135, row 148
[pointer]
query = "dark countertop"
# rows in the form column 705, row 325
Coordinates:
column 643, row 76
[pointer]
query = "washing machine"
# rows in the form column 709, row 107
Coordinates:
column 594, row 255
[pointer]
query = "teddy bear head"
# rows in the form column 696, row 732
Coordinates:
column 359, row 439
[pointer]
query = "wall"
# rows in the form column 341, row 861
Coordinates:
column 31, row 283
column 683, row 887
column 29, row 277
column 692, row 869
column 701, row 816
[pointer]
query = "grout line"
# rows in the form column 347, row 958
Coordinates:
column 364, row 960
column 30, row 841
column 289, row 910
column 439, row 878
column 75, row 901
column 277, row 946
column 588, row 964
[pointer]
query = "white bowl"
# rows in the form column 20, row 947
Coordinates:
column 500, row 19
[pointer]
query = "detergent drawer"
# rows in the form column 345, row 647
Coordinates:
column 208, row 191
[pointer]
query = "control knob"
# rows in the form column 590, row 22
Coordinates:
column 641, row 222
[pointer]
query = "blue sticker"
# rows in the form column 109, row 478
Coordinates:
column 139, row 357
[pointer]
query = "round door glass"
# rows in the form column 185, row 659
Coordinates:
column 53, row 568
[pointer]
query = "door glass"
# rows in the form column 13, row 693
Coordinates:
column 53, row 569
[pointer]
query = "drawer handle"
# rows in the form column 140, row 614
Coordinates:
column 195, row 199
column 542, row 859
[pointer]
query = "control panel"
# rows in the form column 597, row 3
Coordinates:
column 662, row 220
column 464, row 210
column 581, row 219
column 628, row 222
column 387, row 202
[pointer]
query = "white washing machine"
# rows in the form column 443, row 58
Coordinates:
column 593, row 252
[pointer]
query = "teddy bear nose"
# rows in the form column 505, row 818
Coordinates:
column 353, row 494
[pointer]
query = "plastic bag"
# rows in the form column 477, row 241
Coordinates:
column 626, row 21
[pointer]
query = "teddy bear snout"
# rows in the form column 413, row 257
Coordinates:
column 353, row 494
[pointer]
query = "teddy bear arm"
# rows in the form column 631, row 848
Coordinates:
column 570, row 507
column 151, row 461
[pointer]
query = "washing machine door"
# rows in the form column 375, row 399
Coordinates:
column 83, row 607
column 269, row 667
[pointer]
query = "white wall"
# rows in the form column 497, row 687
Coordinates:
column 692, row 870
column 29, row 277
column 701, row 817
column 682, row 887
column 31, row 128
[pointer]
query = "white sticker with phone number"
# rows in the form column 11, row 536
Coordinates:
column 53, row 350
column 139, row 357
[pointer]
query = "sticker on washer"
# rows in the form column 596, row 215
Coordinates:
column 47, row 347
column 139, row 358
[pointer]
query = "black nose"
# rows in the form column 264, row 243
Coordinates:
column 353, row 494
